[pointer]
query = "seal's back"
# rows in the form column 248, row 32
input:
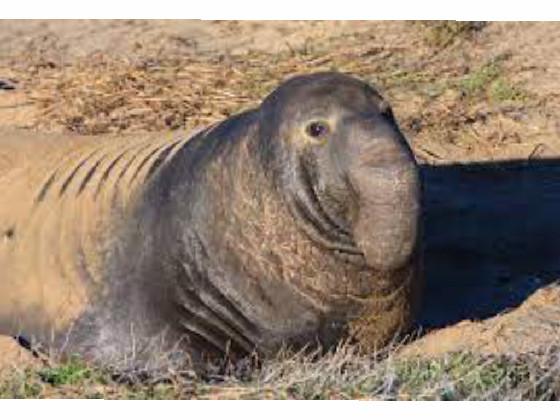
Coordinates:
column 62, row 196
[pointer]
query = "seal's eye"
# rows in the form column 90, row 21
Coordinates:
column 317, row 129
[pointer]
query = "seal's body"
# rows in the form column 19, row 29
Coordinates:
column 290, row 224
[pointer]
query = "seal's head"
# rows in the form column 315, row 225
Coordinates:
column 351, row 184
column 348, row 173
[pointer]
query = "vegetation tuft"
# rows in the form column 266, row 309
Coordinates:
column 341, row 374
column 442, row 33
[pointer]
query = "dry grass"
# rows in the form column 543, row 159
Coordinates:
column 439, row 97
column 101, row 94
column 340, row 374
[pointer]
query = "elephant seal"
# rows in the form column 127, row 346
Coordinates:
column 292, row 224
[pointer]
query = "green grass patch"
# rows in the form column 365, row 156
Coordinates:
column 69, row 373
column 503, row 91
column 476, row 82
column 462, row 376
column 490, row 82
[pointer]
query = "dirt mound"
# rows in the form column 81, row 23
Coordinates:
column 14, row 357
column 532, row 327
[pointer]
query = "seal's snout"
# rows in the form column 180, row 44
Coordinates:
column 384, row 175
column 386, row 223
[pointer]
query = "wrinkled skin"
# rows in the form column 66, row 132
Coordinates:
column 296, row 223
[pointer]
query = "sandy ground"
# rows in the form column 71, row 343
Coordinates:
column 127, row 37
column 491, row 223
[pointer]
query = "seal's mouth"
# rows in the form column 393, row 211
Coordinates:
column 318, row 223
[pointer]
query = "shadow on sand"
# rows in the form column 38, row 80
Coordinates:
column 492, row 237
